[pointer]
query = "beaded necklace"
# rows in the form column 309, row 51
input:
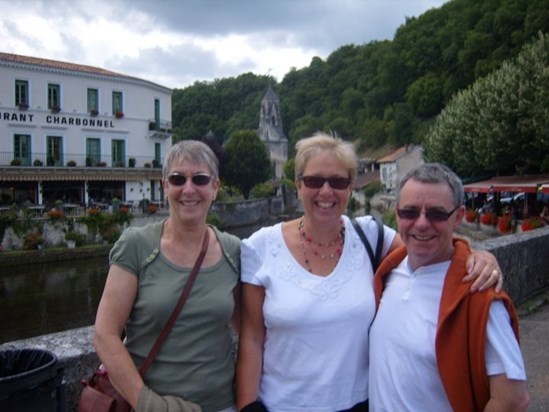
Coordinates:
column 336, row 244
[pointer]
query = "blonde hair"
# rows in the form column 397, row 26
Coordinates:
column 311, row 146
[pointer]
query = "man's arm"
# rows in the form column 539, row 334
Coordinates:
column 507, row 395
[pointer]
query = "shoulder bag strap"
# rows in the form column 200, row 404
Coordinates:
column 374, row 259
column 184, row 295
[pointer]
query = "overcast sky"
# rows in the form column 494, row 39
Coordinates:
column 177, row 42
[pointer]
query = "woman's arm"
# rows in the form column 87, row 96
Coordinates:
column 250, row 349
column 113, row 312
column 481, row 266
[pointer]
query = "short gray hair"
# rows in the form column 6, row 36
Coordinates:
column 434, row 173
column 193, row 151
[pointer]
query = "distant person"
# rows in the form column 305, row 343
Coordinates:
column 433, row 345
column 148, row 269
column 307, row 294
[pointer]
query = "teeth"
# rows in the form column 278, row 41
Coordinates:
column 324, row 204
column 190, row 203
column 423, row 237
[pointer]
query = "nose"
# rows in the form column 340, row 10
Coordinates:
column 422, row 220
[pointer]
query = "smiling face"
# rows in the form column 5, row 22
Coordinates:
column 428, row 242
column 324, row 205
column 190, row 203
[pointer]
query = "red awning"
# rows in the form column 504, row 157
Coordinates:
column 526, row 184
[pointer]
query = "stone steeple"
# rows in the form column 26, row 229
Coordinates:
column 270, row 130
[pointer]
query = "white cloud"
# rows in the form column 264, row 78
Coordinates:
column 178, row 42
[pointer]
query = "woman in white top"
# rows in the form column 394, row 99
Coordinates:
column 307, row 294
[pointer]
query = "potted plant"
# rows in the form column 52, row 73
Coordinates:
column 71, row 163
column 55, row 109
column 471, row 216
column 131, row 162
column 94, row 112
column 23, row 105
column 119, row 114
column 38, row 162
column 16, row 162
column 488, row 222
column 505, row 224
column 73, row 239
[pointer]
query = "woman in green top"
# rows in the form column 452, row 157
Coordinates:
column 148, row 269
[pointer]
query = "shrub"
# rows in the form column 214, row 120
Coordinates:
column 38, row 162
column 152, row 209
column 71, row 163
column 16, row 162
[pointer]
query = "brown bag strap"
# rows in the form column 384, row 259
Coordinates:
column 184, row 295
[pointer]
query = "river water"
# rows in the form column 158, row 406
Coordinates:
column 37, row 299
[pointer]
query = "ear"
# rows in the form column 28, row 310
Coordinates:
column 460, row 213
column 216, row 184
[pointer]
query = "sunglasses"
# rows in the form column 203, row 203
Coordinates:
column 431, row 215
column 198, row 180
column 316, row 182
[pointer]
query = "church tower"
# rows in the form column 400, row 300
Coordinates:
column 270, row 131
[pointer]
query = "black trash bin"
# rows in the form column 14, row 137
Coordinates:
column 30, row 381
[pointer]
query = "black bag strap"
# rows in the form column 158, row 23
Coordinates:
column 375, row 259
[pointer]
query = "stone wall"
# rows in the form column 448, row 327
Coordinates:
column 522, row 258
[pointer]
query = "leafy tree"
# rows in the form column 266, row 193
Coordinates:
column 499, row 125
column 247, row 161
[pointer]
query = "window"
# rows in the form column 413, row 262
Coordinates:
column 117, row 106
column 22, row 93
column 157, row 113
column 157, row 155
column 55, row 151
column 93, row 101
column 54, row 96
column 93, row 152
column 118, row 149
column 22, row 148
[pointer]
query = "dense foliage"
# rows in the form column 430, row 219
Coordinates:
column 376, row 93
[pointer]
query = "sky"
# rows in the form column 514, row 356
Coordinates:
column 178, row 42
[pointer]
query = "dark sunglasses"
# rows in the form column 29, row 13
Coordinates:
column 316, row 182
column 180, row 180
column 431, row 215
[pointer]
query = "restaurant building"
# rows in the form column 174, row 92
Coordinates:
column 79, row 134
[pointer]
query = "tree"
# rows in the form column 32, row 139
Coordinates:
column 247, row 161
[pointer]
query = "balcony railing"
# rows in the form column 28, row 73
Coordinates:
column 160, row 130
column 77, row 160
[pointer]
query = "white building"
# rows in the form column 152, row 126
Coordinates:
column 79, row 133
column 395, row 165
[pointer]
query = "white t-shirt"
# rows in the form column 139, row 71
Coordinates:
column 403, row 367
column 316, row 344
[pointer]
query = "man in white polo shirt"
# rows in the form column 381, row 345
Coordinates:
column 433, row 345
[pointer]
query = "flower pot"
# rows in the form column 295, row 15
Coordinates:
column 71, row 244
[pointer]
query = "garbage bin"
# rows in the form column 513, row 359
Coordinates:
column 30, row 381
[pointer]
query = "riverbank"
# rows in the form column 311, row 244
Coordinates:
column 54, row 254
